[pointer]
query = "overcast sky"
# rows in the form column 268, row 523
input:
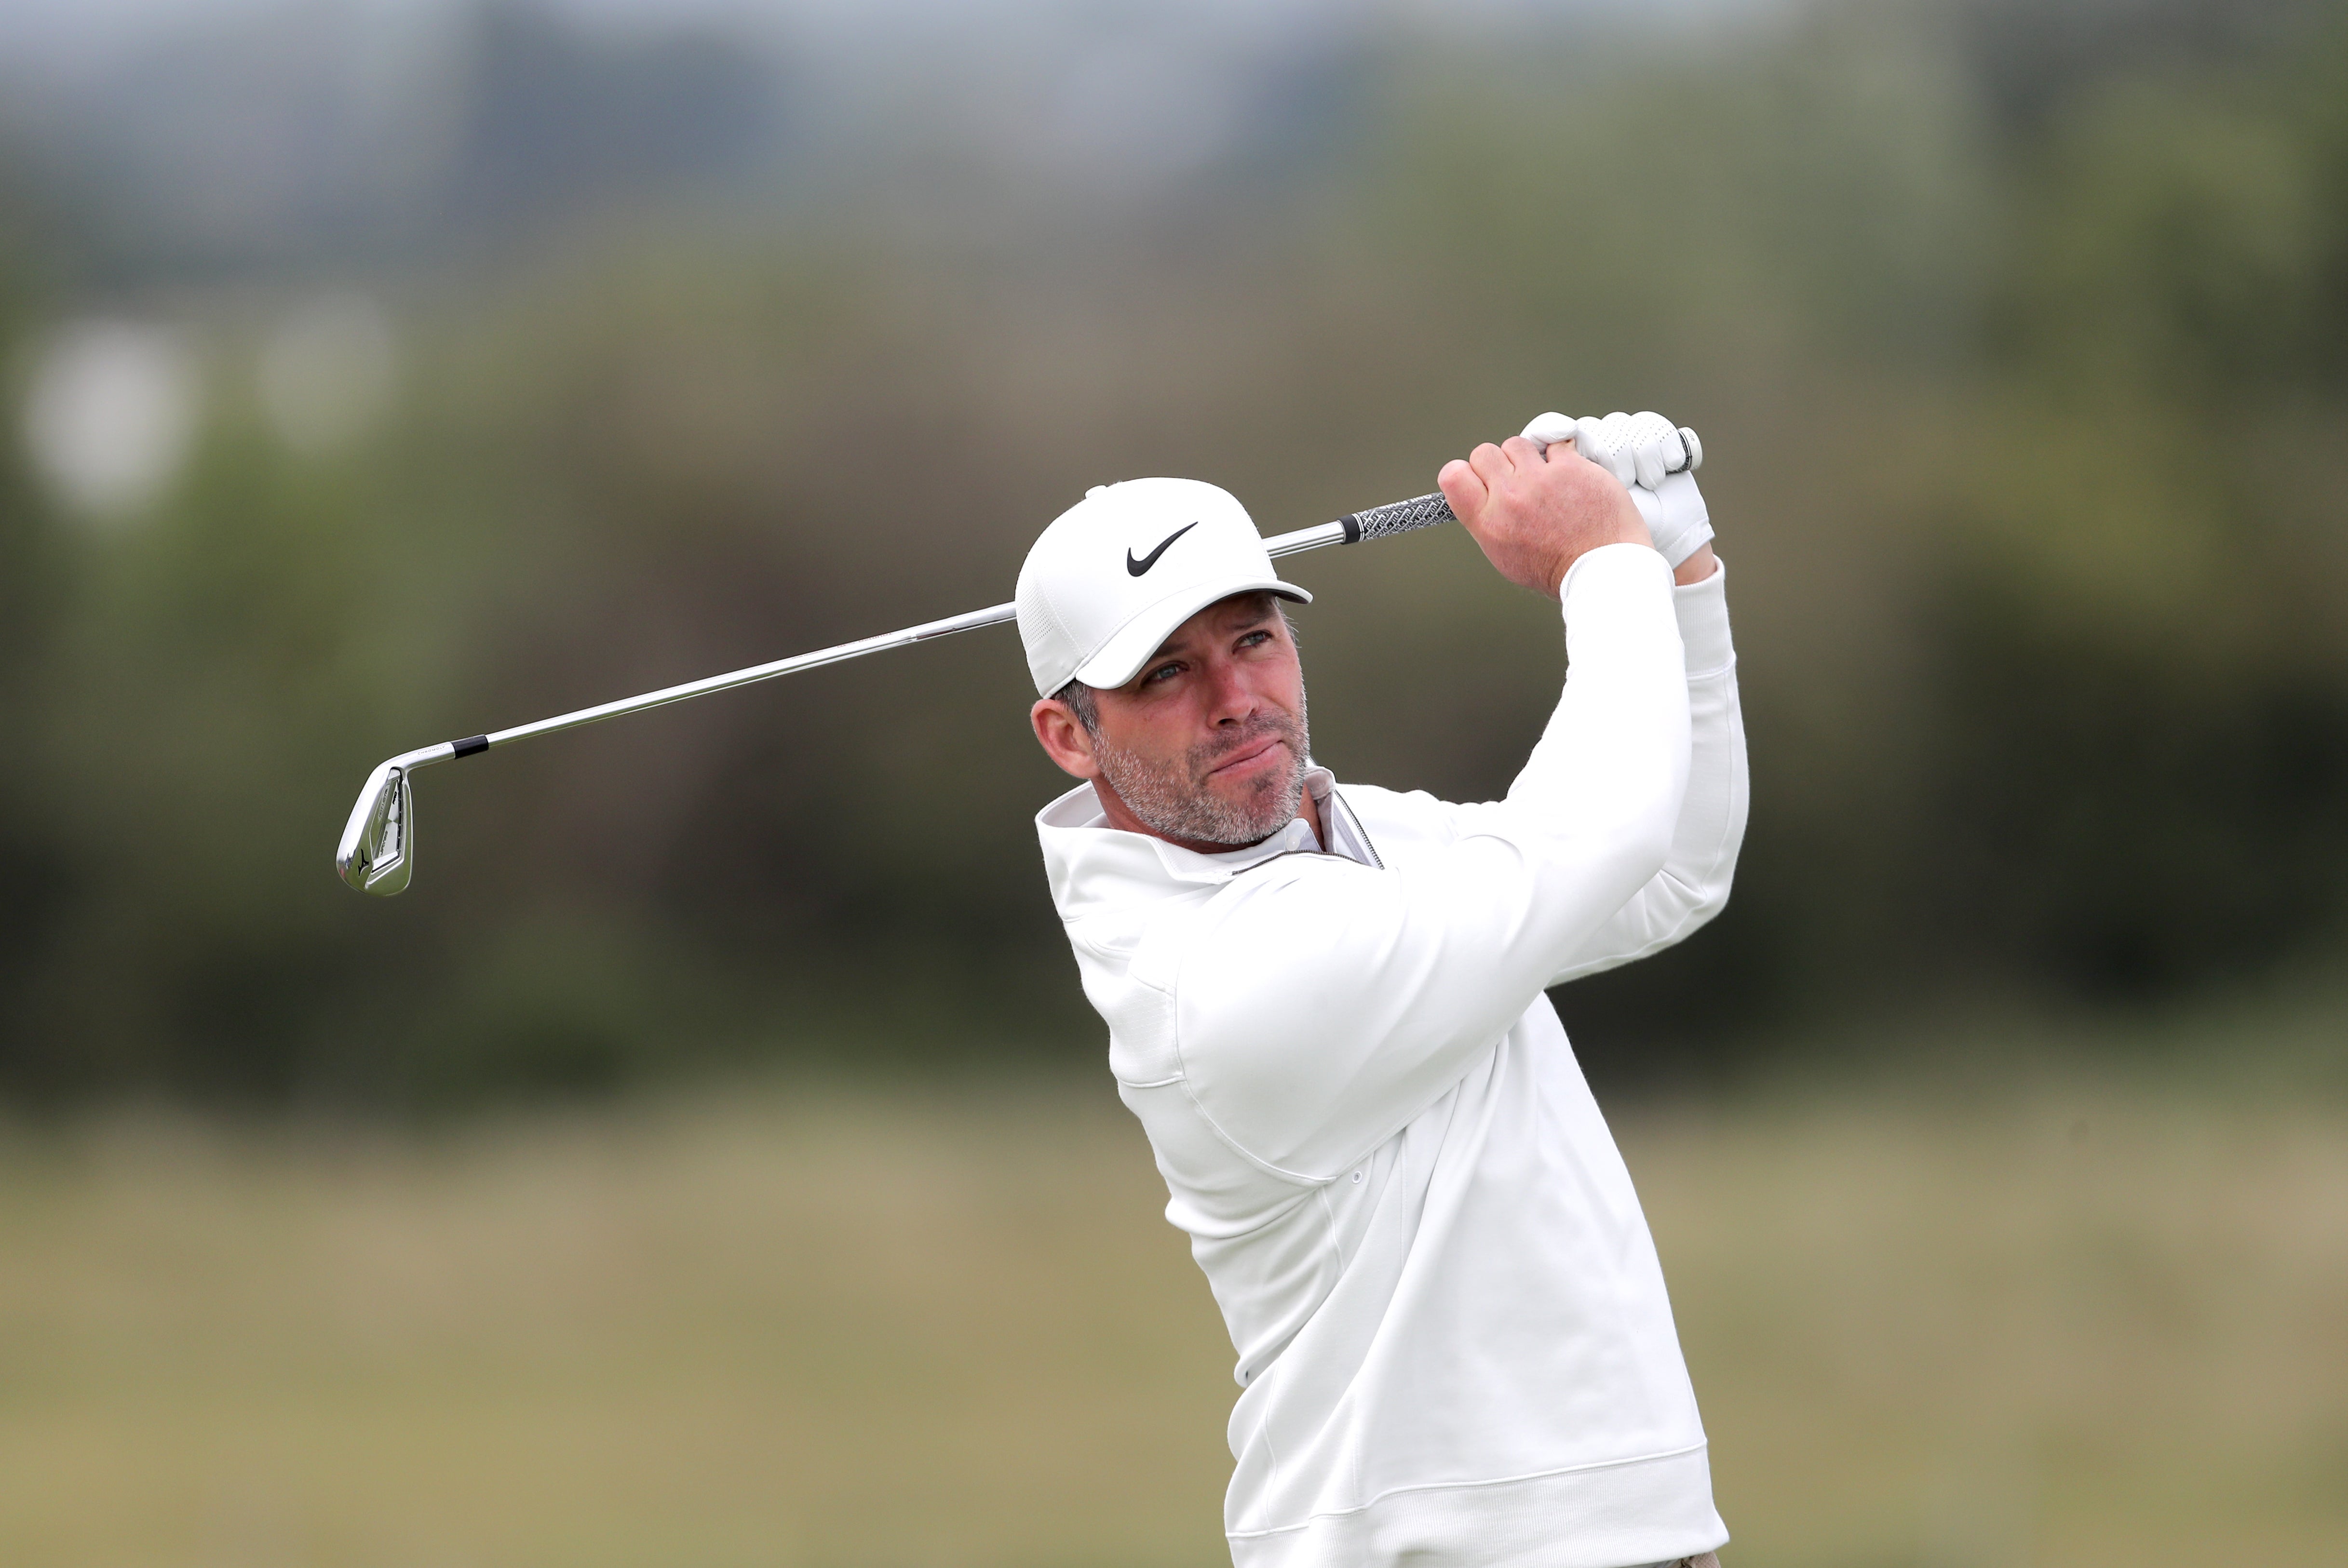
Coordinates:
column 64, row 29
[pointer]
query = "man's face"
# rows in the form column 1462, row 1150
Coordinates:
column 1207, row 745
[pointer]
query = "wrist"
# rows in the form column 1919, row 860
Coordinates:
column 1633, row 532
column 1697, row 568
column 1613, row 559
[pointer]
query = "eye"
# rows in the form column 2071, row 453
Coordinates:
column 1164, row 672
column 1255, row 639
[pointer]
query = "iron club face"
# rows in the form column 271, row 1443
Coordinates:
column 377, row 853
column 374, row 855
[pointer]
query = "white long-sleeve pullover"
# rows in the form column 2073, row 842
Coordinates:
column 1452, row 1336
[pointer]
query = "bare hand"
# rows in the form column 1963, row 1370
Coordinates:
column 1536, row 515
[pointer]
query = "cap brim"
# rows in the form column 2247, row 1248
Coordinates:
column 1120, row 659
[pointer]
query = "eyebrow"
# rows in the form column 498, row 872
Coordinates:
column 1173, row 649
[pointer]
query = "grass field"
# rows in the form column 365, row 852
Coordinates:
column 2076, row 1324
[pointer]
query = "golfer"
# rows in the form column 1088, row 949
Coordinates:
column 1325, row 1005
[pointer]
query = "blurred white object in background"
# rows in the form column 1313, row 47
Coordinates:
column 111, row 411
column 327, row 371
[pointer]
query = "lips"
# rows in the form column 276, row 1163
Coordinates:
column 1247, row 754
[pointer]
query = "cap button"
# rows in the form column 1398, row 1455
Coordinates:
column 1096, row 490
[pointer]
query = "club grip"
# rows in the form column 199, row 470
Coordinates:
column 1396, row 517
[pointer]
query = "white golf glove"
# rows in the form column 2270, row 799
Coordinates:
column 1655, row 460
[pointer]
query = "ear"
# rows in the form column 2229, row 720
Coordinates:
column 1064, row 738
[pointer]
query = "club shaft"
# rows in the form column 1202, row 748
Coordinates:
column 1398, row 518
column 994, row 615
column 377, row 853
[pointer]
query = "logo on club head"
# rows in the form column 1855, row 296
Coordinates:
column 1136, row 568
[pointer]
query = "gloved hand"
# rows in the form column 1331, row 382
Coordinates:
column 1656, row 461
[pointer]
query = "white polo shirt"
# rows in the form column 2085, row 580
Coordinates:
column 1452, row 1331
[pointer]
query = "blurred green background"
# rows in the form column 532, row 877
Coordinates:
column 391, row 370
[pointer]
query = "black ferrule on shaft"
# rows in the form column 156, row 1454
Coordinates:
column 469, row 744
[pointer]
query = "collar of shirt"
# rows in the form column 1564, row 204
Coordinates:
column 1089, row 862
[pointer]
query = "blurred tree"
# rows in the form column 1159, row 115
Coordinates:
column 2183, row 241
column 37, row 867
column 2143, row 750
column 2020, row 371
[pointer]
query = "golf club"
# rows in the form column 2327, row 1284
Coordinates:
column 377, row 853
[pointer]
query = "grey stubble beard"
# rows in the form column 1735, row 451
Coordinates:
column 1173, row 799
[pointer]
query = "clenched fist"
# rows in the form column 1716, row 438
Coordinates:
column 1657, row 461
column 1536, row 512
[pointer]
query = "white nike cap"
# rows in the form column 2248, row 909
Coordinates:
column 1107, row 584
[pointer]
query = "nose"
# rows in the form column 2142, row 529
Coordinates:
column 1232, row 698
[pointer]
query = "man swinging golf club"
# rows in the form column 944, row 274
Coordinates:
column 1325, row 1005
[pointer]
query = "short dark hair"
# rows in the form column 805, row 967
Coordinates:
column 1078, row 698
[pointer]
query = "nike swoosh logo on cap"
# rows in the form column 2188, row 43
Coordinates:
column 1136, row 568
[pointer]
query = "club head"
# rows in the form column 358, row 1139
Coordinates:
column 377, row 853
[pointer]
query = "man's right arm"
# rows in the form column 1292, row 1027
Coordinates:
column 1692, row 886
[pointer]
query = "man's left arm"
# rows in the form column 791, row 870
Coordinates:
column 1656, row 460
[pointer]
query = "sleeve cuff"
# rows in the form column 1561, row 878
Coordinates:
column 1703, row 610
column 1609, row 563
